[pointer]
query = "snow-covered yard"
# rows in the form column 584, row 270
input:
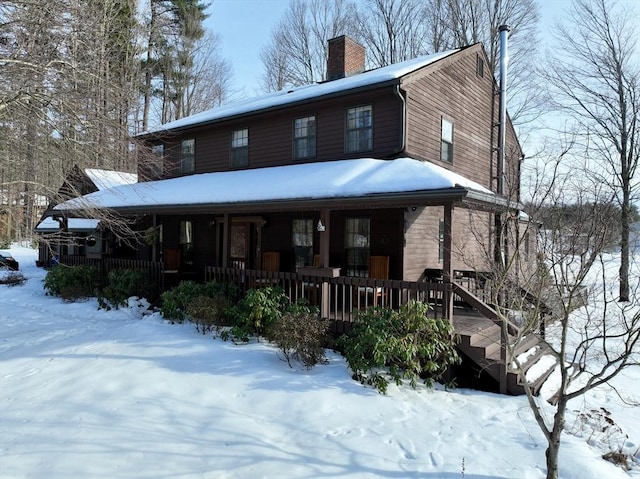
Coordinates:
column 95, row 394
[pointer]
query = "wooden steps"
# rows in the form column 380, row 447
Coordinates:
column 480, row 342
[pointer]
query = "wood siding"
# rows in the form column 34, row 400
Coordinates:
column 452, row 90
column 271, row 134
column 471, row 240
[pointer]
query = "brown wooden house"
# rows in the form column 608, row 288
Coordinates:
column 372, row 186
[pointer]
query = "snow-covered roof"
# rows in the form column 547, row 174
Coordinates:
column 303, row 93
column 104, row 179
column 309, row 181
column 51, row 225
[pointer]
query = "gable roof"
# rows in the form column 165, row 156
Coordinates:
column 309, row 185
column 105, row 179
column 371, row 78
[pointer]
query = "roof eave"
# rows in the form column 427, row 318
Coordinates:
column 378, row 200
column 160, row 132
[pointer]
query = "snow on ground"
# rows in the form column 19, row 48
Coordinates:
column 96, row 394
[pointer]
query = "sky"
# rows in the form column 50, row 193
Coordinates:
column 122, row 394
column 245, row 25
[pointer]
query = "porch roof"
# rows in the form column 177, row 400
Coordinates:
column 364, row 182
column 51, row 225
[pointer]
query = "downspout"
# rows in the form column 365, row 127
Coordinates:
column 403, row 123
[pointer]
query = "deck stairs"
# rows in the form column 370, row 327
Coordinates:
column 479, row 331
column 483, row 347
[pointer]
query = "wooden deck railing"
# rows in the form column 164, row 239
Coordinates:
column 345, row 294
column 153, row 269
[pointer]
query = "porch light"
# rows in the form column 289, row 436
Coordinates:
column 320, row 225
column 212, row 223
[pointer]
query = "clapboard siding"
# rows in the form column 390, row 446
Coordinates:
column 271, row 134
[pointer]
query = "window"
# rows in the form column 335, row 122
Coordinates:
column 446, row 147
column 357, row 234
column 304, row 138
column 441, row 241
column 302, row 240
column 359, row 129
column 157, row 162
column 240, row 148
column 479, row 66
column 186, row 242
column 187, row 156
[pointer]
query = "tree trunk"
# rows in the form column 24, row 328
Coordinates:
column 553, row 444
column 624, row 234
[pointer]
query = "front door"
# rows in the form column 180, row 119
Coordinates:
column 240, row 245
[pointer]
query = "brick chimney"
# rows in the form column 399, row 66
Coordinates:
column 346, row 58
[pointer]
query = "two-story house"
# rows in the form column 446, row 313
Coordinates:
column 371, row 176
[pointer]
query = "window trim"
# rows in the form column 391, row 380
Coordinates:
column 312, row 154
column 443, row 141
column 183, row 163
column 307, row 234
column 361, row 268
column 368, row 128
column 237, row 150
column 156, row 167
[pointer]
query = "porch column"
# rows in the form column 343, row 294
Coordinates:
column 325, row 241
column 447, row 264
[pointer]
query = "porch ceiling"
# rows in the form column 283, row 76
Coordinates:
column 341, row 184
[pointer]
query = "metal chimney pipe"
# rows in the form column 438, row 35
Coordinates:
column 504, row 60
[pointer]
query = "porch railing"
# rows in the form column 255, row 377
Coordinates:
column 153, row 269
column 345, row 295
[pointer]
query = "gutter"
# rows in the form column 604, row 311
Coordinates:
column 378, row 200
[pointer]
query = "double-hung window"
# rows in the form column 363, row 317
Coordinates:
column 303, row 242
column 186, row 242
column 357, row 242
column 446, row 143
column 359, row 129
column 157, row 162
column 239, row 148
column 188, row 156
column 304, row 138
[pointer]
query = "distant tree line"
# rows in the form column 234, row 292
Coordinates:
column 80, row 77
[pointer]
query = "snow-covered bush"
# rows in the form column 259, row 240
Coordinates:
column 122, row 284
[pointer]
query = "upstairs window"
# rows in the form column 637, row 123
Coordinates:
column 156, row 164
column 446, row 143
column 359, row 129
column 188, row 156
column 357, row 241
column 239, row 148
column 304, row 138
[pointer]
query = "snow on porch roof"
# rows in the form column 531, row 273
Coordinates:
column 309, row 181
column 51, row 225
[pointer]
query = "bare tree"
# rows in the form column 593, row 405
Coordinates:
column 394, row 30
column 297, row 50
column 595, row 78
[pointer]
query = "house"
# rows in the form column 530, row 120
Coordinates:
column 383, row 181
column 82, row 236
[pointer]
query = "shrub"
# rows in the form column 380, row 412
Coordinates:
column 122, row 284
column 5, row 242
column 301, row 336
column 257, row 312
column 176, row 301
column 208, row 313
column 72, row 282
column 399, row 345
column 12, row 278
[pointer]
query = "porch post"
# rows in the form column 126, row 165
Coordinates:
column 325, row 237
column 447, row 264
